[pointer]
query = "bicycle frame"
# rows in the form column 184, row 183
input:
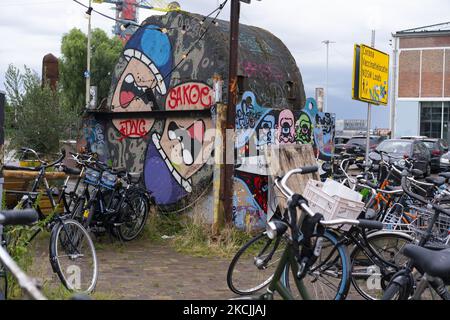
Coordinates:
column 276, row 285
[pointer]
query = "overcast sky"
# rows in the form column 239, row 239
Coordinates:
column 32, row 28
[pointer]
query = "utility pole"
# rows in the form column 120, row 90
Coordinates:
column 231, row 110
column 394, row 87
column 327, row 42
column 369, row 110
column 88, row 68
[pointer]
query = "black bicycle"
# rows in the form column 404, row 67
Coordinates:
column 113, row 200
column 431, row 260
column 71, row 250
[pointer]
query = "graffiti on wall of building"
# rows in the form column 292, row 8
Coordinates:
column 190, row 96
column 258, row 126
column 175, row 156
column 95, row 138
column 173, row 149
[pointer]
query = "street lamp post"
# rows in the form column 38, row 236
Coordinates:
column 327, row 42
column 369, row 113
column 88, row 68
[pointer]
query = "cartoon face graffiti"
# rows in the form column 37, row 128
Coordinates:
column 266, row 130
column 304, row 128
column 286, row 127
column 175, row 156
column 324, row 135
column 132, row 92
column 144, row 76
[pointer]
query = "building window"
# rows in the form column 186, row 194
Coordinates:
column 431, row 119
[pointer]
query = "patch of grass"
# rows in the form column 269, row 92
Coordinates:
column 61, row 293
column 197, row 239
column 193, row 236
column 159, row 225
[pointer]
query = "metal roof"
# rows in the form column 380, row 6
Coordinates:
column 440, row 27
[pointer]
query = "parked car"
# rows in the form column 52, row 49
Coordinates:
column 437, row 147
column 444, row 164
column 361, row 141
column 414, row 137
column 413, row 149
column 339, row 143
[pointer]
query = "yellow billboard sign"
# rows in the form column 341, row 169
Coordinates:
column 370, row 75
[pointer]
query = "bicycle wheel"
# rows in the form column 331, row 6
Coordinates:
column 73, row 256
column 133, row 215
column 392, row 292
column 329, row 277
column 253, row 265
column 3, row 282
column 368, row 278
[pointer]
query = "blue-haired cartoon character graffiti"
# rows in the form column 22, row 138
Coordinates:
column 148, row 61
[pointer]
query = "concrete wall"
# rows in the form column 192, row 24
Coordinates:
column 407, row 118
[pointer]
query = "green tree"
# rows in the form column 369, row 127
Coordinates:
column 39, row 120
column 105, row 53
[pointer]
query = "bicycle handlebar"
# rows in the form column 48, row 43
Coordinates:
column 18, row 217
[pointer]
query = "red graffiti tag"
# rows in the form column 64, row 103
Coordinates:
column 189, row 96
column 134, row 128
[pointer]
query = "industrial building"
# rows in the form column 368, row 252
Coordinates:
column 420, row 98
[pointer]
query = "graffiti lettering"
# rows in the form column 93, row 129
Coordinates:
column 189, row 96
column 261, row 71
column 132, row 128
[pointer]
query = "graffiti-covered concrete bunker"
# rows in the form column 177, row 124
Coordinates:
column 145, row 133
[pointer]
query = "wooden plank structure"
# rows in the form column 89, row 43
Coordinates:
column 285, row 157
column 17, row 182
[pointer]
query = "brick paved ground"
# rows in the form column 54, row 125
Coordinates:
column 145, row 270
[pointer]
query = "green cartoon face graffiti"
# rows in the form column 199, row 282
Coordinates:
column 304, row 128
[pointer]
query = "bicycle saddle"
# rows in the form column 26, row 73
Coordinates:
column 438, row 181
column 433, row 262
column 445, row 175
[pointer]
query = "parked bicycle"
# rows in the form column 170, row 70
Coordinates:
column 432, row 263
column 71, row 251
column 112, row 200
column 318, row 264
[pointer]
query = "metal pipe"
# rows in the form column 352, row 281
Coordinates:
column 88, row 67
column 369, row 114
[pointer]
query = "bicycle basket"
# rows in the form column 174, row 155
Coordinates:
column 91, row 176
column 108, row 180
